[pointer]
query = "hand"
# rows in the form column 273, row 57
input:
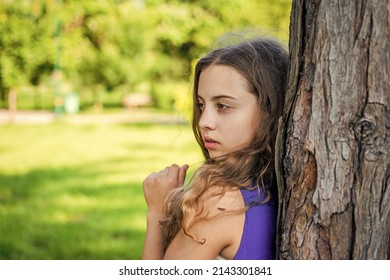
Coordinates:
column 157, row 186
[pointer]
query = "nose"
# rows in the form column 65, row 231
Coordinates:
column 207, row 120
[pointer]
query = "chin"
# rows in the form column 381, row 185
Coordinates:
column 216, row 155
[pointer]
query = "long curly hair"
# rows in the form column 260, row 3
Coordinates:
column 264, row 65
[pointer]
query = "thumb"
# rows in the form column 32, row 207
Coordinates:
column 182, row 174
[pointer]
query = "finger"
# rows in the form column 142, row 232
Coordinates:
column 173, row 170
column 182, row 174
column 149, row 178
column 164, row 172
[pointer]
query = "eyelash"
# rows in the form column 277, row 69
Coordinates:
column 220, row 106
column 200, row 106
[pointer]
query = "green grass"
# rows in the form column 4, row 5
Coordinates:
column 74, row 192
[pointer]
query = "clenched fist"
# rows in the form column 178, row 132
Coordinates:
column 158, row 185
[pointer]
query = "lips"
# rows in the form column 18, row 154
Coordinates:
column 210, row 143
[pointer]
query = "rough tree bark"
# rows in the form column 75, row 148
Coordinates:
column 334, row 157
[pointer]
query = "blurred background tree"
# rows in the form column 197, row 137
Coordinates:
column 110, row 49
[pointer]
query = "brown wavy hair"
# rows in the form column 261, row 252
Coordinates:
column 264, row 64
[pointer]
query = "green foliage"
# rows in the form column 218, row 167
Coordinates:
column 121, row 45
column 75, row 191
column 171, row 96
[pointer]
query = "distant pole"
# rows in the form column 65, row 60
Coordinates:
column 58, row 100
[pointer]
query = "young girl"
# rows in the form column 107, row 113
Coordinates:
column 228, row 210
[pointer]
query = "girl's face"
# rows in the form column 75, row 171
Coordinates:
column 229, row 112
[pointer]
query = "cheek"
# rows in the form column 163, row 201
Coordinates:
column 243, row 127
column 249, row 130
column 242, row 135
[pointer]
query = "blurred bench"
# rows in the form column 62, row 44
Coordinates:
column 136, row 100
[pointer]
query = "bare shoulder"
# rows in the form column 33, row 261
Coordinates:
column 216, row 199
column 219, row 228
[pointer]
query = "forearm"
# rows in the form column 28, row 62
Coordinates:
column 156, row 188
column 154, row 240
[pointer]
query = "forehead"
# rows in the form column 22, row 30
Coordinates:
column 222, row 79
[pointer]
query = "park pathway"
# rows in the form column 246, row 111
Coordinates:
column 126, row 116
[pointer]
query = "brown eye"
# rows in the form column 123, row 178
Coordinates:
column 222, row 106
column 200, row 106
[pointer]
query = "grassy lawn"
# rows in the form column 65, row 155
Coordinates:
column 74, row 191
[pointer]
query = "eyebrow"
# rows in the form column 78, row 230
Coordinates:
column 217, row 97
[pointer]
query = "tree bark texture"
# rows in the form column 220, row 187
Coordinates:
column 334, row 147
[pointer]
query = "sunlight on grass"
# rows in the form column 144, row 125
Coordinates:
column 74, row 192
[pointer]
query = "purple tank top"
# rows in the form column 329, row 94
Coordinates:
column 258, row 237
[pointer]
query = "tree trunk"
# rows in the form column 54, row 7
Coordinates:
column 333, row 159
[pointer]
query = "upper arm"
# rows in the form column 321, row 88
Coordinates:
column 221, row 230
column 184, row 247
